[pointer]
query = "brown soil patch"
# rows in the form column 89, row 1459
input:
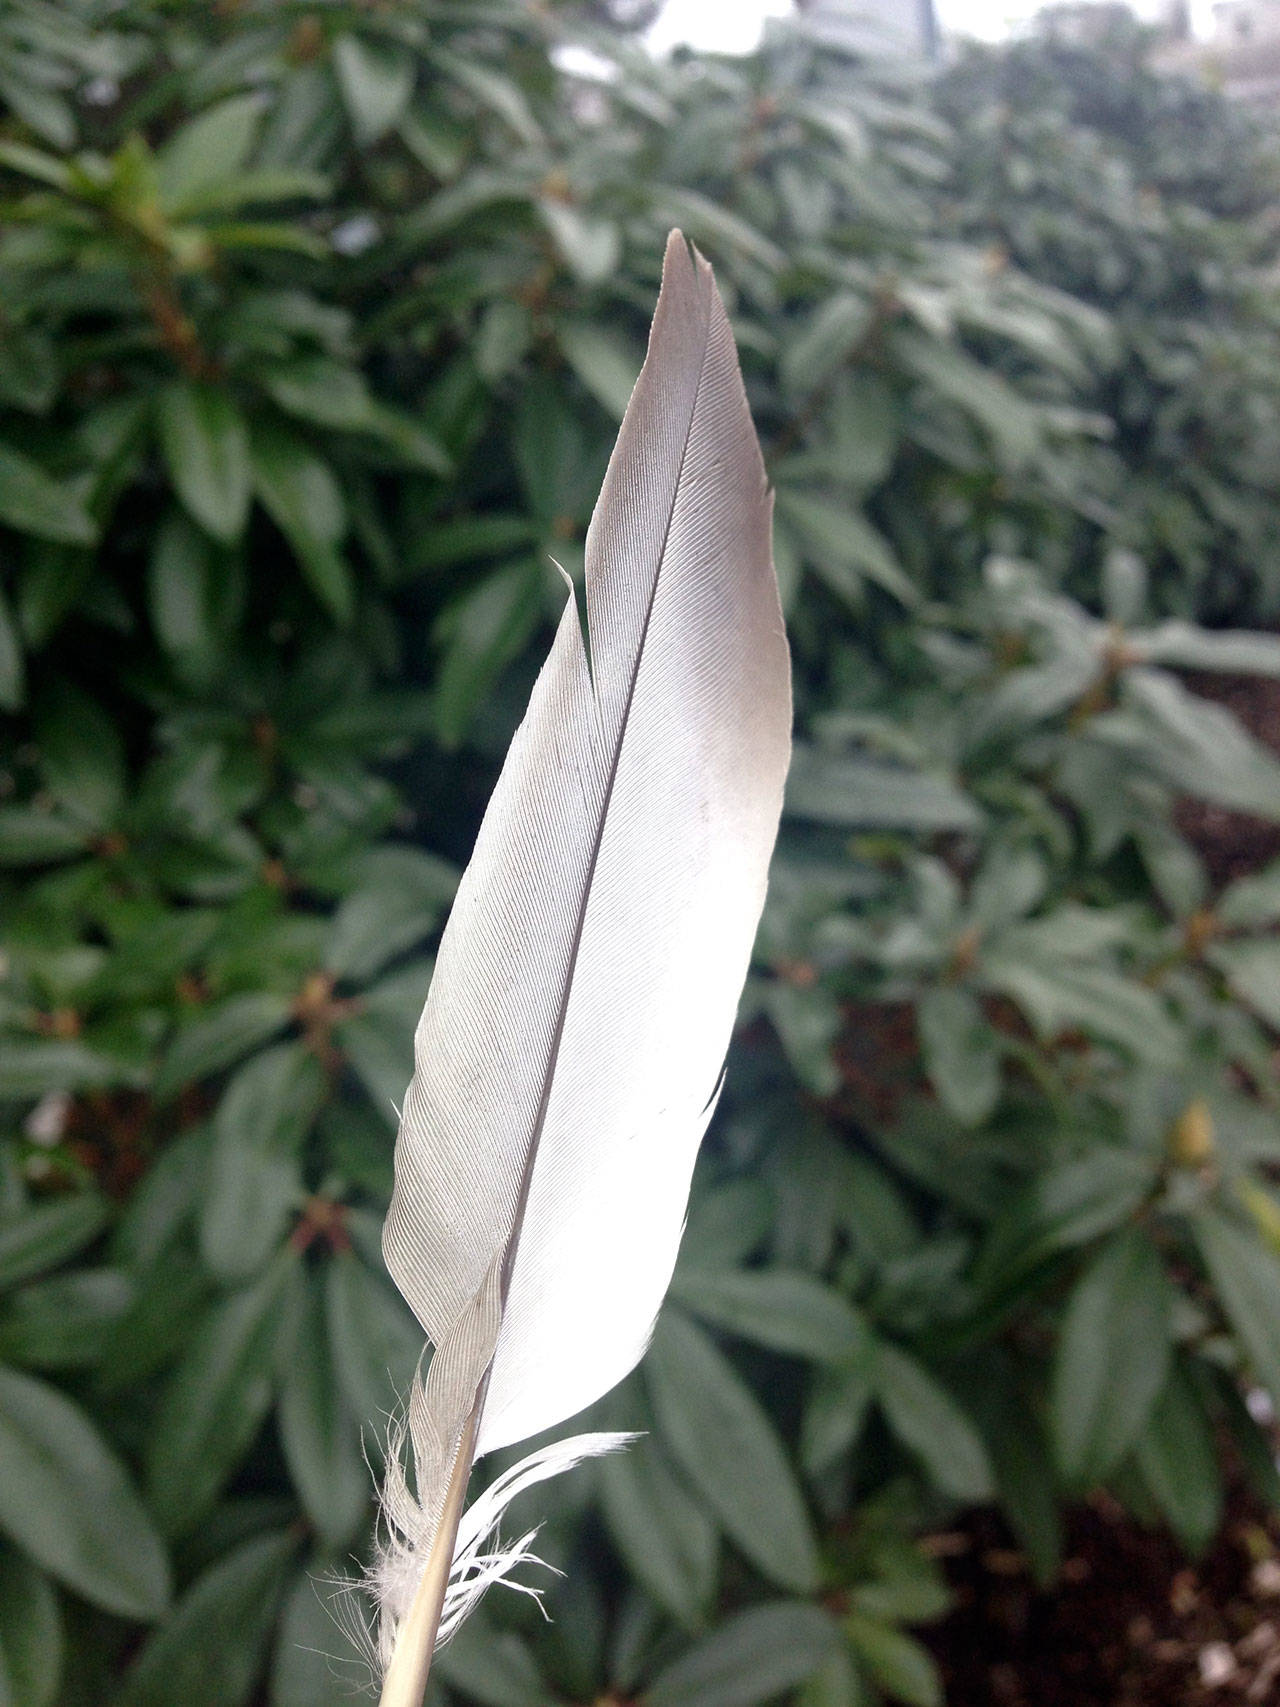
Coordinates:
column 1131, row 1624
column 1233, row 844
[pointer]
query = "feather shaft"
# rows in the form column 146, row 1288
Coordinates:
column 405, row 1683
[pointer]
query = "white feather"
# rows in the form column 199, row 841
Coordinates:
column 569, row 1054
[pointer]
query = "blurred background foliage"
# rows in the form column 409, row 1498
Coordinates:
column 317, row 322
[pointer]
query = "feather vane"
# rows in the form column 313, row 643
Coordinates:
column 568, row 1058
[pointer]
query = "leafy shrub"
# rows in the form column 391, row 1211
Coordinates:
column 317, row 325
column 1149, row 197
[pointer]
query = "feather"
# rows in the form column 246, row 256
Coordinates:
column 569, row 1055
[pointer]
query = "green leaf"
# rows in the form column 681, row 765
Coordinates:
column 1178, row 1458
column 66, row 1500
column 591, row 246
column 376, row 1342
column 807, row 1021
column 753, row 1657
column 209, row 1651
column 785, row 1310
column 1252, row 970
column 208, row 150
column 1103, row 1392
column 41, row 1237
column 1247, row 1278
column 13, row 680
column 844, row 547
column 319, row 1433
column 320, row 390
column 1007, row 885
column 897, row 1662
column 827, row 338
column 929, row 1422
column 35, row 163
column 715, row 229
column 1062, row 995
column 168, row 1305
column 271, row 236
column 857, row 794
column 726, row 1225
column 1031, row 694
column 1176, row 870
column 1025, row 1481
column 162, row 1203
column 219, row 1035
column 836, row 1683
column 482, row 632
column 1236, row 653
column 254, row 1174
column 255, row 188
column 1252, row 901
column 399, row 901
column 463, row 539
column 304, row 500
column 206, row 448
column 46, row 111
column 28, row 369
column 380, row 1050
column 491, row 90
column 64, row 1322
column 30, row 835
column 666, row 1539
column 493, row 1667
column 1069, row 932
column 961, row 1055
column 181, row 586
column 501, row 340
column 1030, row 1497
column 33, row 502
column 835, row 1412
column 312, row 1667
column 405, row 434
column 31, row 1067
column 906, row 1587
column 605, row 363
column 557, row 461
column 30, row 1634
column 725, row 1444
column 1125, row 587
column 1012, row 424
column 1194, row 745
column 81, row 755
column 1065, row 1207
column 215, row 1402
column 434, row 139
column 861, row 430
column 1250, row 1440
column 376, row 80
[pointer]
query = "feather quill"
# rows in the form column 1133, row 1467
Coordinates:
column 569, row 1055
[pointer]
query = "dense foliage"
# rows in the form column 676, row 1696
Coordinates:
column 1153, row 199
column 317, row 322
